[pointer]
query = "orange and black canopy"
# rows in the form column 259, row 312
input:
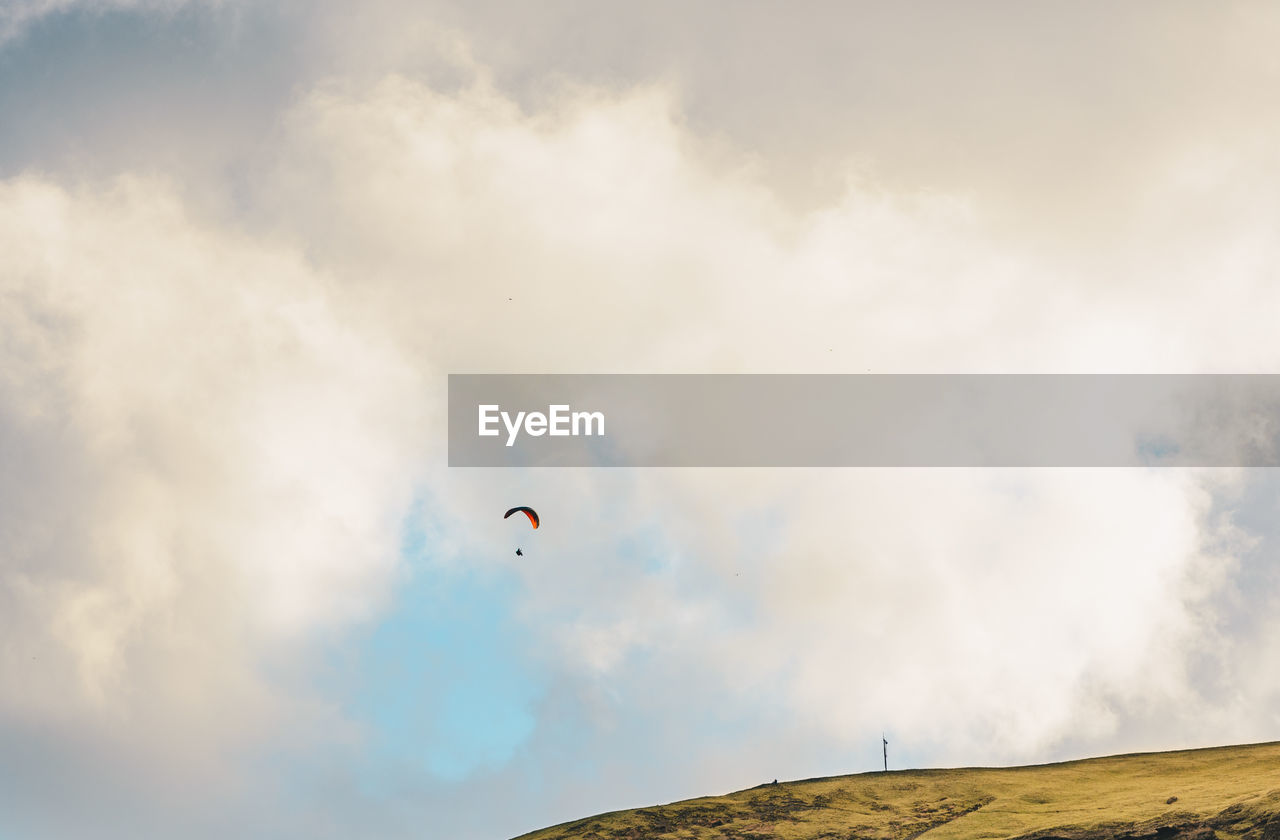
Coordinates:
column 527, row 511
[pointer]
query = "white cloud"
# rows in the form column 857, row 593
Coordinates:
column 202, row 463
column 613, row 229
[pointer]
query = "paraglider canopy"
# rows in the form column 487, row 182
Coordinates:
column 527, row 511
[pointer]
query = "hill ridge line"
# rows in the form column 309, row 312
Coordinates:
column 1227, row 792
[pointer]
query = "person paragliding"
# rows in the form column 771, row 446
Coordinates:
column 533, row 519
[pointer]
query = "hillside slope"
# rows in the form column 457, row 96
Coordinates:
column 1224, row 793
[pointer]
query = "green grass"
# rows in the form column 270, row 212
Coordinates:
column 1222, row 793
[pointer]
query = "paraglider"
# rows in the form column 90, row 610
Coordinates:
column 533, row 519
column 527, row 511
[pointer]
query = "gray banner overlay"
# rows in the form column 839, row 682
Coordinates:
column 922, row 420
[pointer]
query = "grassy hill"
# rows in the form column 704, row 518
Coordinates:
column 1225, row 792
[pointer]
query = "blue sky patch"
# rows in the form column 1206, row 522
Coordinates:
column 445, row 686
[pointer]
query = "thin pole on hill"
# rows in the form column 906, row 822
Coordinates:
column 886, row 753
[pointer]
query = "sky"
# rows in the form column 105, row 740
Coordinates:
column 243, row 244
